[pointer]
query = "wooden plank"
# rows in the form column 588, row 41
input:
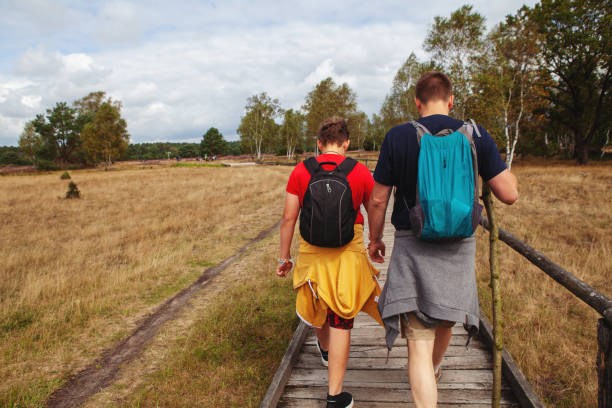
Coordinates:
column 379, row 340
column 365, row 395
column 523, row 390
column 380, row 331
column 311, row 403
column 400, row 385
column 451, row 379
column 277, row 385
column 399, row 352
column 466, row 362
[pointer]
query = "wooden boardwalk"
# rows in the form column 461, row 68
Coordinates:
column 466, row 376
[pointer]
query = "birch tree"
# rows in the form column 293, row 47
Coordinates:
column 292, row 130
column 505, row 81
column 105, row 138
column 257, row 124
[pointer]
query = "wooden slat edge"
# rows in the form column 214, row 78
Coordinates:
column 522, row 389
column 277, row 385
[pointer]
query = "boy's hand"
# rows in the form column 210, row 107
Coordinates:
column 282, row 270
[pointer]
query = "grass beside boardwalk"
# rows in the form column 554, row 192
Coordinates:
column 230, row 355
column 197, row 164
column 564, row 212
column 77, row 275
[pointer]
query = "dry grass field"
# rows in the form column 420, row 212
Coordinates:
column 77, row 275
column 564, row 211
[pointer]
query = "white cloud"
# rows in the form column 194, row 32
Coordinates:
column 183, row 67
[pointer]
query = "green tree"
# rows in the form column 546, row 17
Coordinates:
column 399, row 106
column 326, row 100
column 189, row 150
column 292, row 130
column 30, row 142
column 105, row 138
column 577, row 54
column 357, row 123
column 376, row 133
column 212, row 143
column 257, row 127
column 59, row 132
column 455, row 42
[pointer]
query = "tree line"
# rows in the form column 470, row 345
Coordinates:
column 89, row 131
column 542, row 76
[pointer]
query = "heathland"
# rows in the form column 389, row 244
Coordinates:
column 78, row 275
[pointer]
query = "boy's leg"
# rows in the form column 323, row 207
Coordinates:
column 339, row 345
column 323, row 336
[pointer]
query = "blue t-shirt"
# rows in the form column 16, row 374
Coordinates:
column 397, row 162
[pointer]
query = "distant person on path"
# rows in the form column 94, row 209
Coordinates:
column 333, row 276
column 430, row 285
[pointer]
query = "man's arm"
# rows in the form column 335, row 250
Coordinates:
column 377, row 208
column 505, row 187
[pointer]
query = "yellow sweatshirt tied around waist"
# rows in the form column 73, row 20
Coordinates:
column 341, row 279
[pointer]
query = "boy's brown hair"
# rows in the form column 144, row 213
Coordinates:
column 433, row 86
column 333, row 130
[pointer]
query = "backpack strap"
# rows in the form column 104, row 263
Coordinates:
column 312, row 165
column 471, row 121
column 421, row 130
column 347, row 165
column 468, row 129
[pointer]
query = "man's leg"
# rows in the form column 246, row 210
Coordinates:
column 421, row 373
column 443, row 337
column 420, row 366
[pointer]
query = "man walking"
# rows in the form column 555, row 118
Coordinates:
column 430, row 285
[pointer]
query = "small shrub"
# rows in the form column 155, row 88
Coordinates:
column 46, row 165
column 65, row 176
column 73, row 191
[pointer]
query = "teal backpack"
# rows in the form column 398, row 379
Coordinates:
column 447, row 206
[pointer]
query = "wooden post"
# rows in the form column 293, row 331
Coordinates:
column 604, row 363
column 498, row 345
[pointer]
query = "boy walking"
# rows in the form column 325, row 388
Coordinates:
column 430, row 285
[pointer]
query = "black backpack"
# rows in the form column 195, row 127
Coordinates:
column 327, row 218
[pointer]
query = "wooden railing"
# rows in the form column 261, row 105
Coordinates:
column 582, row 290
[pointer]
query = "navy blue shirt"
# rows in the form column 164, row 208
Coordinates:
column 397, row 162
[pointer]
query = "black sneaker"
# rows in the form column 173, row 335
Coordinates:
column 323, row 354
column 342, row 400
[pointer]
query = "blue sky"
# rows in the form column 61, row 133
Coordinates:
column 181, row 67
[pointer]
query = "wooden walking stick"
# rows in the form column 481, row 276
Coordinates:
column 498, row 344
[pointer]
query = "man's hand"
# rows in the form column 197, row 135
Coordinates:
column 376, row 250
column 282, row 270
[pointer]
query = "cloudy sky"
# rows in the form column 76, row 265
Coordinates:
column 181, row 67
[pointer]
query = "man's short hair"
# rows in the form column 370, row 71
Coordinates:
column 433, row 86
column 333, row 130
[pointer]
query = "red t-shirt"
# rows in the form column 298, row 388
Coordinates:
column 360, row 180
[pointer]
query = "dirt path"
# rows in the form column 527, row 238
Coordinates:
column 102, row 372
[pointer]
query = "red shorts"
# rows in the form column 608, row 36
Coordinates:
column 338, row 322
